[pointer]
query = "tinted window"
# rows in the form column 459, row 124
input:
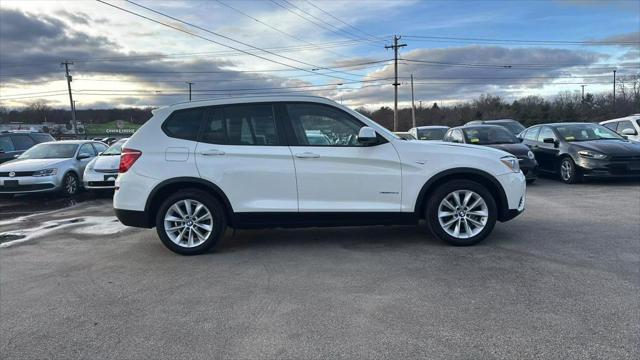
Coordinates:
column 532, row 134
column 611, row 125
column 184, row 124
column 6, row 144
column 22, row 142
column 240, row 125
column 546, row 133
column 86, row 150
column 431, row 134
column 320, row 125
column 586, row 132
column 100, row 147
column 512, row 126
column 622, row 125
column 40, row 138
column 489, row 135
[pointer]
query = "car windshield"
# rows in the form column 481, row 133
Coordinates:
column 514, row 127
column 586, row 132
column 489, row 135
column 115, row 149
column 50, row 151
column 431, row 134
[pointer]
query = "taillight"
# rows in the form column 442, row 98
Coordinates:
column 127, row 158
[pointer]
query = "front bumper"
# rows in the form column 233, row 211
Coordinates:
column 29, row 184
column 607, row 168
column 515, row 186
column 529, row 168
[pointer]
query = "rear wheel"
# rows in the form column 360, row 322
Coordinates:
column 568, row 171
column 461, row 212
column 190, row 222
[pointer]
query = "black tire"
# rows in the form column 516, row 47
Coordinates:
column 219, row 221
column 443, row 191
column 572, row 175
column 70, row 184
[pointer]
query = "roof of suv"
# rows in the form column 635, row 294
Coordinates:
column 247, row 99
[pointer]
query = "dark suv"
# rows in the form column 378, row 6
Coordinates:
column 14, row 143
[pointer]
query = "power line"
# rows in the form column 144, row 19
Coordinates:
column 511, row 66
column 237, row 41
column 208, row 39
column 559, row 42
column 341, row 21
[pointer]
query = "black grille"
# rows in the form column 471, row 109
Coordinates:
column 18, row 173
column 31, row 187
column 626, row 158
column 102, row 183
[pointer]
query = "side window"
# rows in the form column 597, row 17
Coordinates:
column 183, row 124
column 546, row 133
column 611, row 126
column 532, row 134
column 40, row 138
column 6, row 144
column 22, row 142
column 86, row 150
column 321, row 125
column 252, row 124
column 623, row 125
column 99, row 147
column 457, row 137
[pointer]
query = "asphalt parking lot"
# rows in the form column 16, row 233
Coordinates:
column 561, row 281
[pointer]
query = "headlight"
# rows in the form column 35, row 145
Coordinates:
column 591, row 154
column 530, row 155
column 46, row 172
column 512, row 163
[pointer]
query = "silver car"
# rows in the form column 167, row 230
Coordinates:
column 49, row 166
column 101, row 172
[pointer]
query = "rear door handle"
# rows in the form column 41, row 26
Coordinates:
column 212, row 152
column 307, row 155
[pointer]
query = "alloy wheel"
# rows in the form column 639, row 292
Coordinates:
column 463, row 214
column 71, row 184
column 188, row 223
column 565, row 170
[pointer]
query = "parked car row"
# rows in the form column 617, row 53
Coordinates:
column 61, row 166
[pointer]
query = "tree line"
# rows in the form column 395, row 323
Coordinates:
column 529, row 110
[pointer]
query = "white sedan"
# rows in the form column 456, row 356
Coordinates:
column 101, row 172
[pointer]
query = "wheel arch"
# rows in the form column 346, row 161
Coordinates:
column 163, row 189
column 483, row 178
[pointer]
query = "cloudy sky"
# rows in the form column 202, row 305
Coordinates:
column 143, row 53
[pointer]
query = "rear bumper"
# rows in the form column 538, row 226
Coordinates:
column 134, row 218
column 97, row 180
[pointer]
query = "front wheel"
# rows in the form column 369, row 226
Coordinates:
column 569, row 172
column 190, row 222
column 70, row 184
column 461, row 212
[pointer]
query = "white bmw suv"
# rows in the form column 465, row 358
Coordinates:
column 296, row 161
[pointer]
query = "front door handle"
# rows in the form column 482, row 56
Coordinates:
column 212, row 152
column 307, row 155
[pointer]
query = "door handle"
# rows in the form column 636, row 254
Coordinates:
column 212, row 152
column 307, row 155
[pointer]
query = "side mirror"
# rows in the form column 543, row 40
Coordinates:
column 549, row 141
column 628, row 131
column 100, row 153
column 367, row 136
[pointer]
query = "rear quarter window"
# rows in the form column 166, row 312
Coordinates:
column 183, row 124
column 40, row 138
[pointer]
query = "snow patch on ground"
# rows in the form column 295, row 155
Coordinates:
column 86, row 225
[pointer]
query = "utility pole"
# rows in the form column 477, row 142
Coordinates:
column 395, row 48
column 413, row 105
column 420, row 102
column 614, row 90
column 73, row 108
column 583, row 92
column 190, row 83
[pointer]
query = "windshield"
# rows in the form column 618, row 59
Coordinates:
column 115, row 149
column 514, row 127
column 50, row 151
column 489, row 135
column 431, row 134
column 586, row 132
